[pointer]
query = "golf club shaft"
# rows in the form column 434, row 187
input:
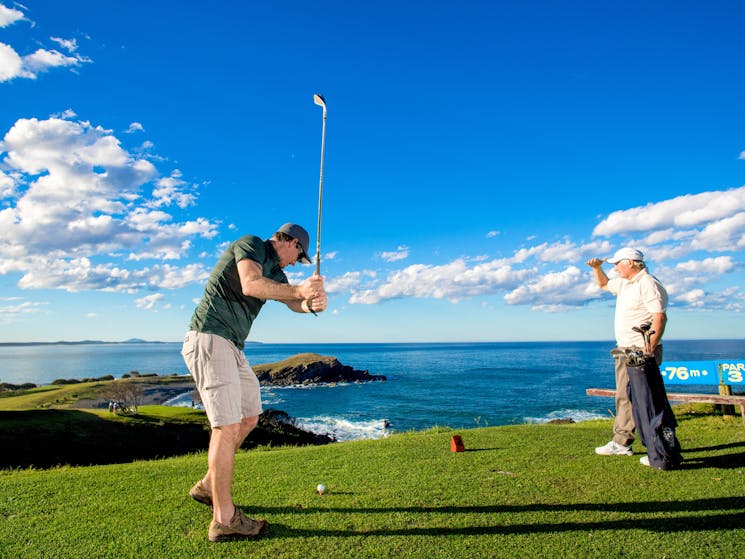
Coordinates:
column 319, row 100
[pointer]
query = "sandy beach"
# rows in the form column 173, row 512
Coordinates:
column 156, row 392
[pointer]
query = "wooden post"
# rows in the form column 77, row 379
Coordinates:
column 727, row 409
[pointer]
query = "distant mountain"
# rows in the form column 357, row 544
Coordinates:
column 94, row 342
column 81, row 342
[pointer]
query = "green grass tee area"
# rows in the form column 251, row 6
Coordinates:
column 518, row 491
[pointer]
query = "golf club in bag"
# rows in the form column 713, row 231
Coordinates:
column 653, row 416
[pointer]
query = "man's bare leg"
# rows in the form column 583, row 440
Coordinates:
column 221, row 462
column 224, row 443
column 247, row 425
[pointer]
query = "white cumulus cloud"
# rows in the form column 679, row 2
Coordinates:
column 690, row 210
column 70, row 45
column 555, row 290
column 135, row 127
column 149, row 301
column 454, row 282
column 11, row 64
column 553, row 277
column 15, row 65
column 74, row 197
column 8, row 16
column 725, row 234
column 10, row 313
column 401, row 253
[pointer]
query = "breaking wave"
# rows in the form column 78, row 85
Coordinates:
column 576, row 415
column 345, row 429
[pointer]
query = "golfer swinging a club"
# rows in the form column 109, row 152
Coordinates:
column 248, row 273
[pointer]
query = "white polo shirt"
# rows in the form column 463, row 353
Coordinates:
column 636, row 300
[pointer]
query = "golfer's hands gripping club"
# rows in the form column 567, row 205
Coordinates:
column 314, row 294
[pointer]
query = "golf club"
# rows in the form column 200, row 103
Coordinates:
column 644, row 330
column 319, row 100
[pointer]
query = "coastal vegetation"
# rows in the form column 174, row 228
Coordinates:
column 525, row 491
column 105, row 420
column 71, row 423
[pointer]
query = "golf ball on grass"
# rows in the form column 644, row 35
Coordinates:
column 321, row 488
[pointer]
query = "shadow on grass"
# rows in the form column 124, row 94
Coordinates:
column 682, row 524
column 718, row 504
column 720, row 462
column 716, row 447
column 729, row 515
column 733, row 460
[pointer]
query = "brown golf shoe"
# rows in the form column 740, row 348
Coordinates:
column 201, row 494
column 240, row 527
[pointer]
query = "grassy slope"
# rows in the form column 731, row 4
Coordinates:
column 62, row 396
column 519, row 491
column 49, row 395
column 44, row 428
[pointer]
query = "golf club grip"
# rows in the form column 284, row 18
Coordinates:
column 318, row 273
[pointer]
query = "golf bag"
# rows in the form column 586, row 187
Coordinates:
column 653, row 416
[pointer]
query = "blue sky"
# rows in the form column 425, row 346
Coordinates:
column 477, row 154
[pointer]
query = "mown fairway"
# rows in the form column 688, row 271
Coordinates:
column 519, row 491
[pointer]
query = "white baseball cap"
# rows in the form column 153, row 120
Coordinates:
column 626, row 253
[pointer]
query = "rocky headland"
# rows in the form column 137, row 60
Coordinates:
column 310, row 368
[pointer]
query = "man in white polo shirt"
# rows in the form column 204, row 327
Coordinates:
column 640, row 298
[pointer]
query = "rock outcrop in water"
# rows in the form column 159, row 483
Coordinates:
column 310, row 368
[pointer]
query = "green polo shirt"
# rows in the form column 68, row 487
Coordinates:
column 224, row 310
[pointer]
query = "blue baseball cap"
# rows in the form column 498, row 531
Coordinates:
column 303, row 239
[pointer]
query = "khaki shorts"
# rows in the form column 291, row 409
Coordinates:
column 226, row 383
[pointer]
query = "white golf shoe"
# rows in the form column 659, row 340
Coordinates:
column 614, row 449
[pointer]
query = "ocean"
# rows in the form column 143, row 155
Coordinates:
column 458, row 385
